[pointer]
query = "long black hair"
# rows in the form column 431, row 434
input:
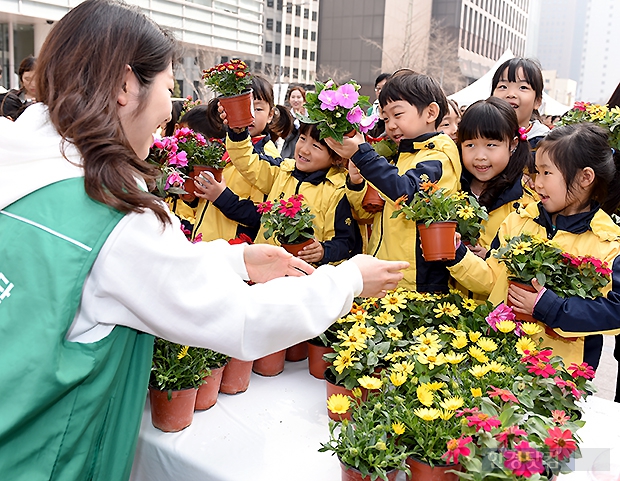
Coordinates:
column 495, row 119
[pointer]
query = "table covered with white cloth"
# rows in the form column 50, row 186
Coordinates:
column 272, row 432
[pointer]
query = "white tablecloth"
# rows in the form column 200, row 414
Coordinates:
column 273, row 431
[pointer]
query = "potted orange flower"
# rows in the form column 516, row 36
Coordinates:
column 232, row 80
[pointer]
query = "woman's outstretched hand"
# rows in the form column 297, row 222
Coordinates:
column 379, row 276
column 265, row 262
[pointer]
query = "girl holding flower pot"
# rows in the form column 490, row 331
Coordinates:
column 576, row 177
column 228, row 208
column 101, row 256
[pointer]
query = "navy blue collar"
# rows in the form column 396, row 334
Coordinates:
column 512, row 194
column 314, row 178
column 406, row 145
column 575, row 224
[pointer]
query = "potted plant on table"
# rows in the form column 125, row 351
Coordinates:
column 214, row 364
column 338, row 110
column 289, row 220
column 529, row 256
column 437, row 214
column 176, row 373
column 233, row 81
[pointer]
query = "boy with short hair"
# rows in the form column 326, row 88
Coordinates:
column 412, row 107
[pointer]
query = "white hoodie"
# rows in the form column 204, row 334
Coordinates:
column 152, row 279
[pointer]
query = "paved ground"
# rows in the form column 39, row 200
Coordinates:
column 605, row 380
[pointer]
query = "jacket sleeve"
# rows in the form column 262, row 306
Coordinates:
column 574, row 316
column 379, row 172
column 257, row 172
column 475, row 274
column 355, row 195
column 347, row 238
column 242, row 211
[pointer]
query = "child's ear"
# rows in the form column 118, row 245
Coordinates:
column 272, row 112
column 513, row 145
column 431, row 112
column 537, row 103
column 586, row 177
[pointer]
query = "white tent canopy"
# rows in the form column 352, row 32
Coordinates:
column 481, row 89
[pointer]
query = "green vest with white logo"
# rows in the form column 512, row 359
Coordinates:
column 68, row 411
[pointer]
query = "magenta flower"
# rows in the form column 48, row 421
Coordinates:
column 179, row 159
column 559, row 417
column 504, row 394
column 172, row 179
column 561, row 443
column 346, row 96
column 329, row 84
column 580, row 106
column 368, row 123
column 483, row 421
column 500, row 313
column 289, row 207
column 328, row 100
column 456, row 448
column 542, row 369
column 524, row 460
column 158, row 144
column 264, row 207
column 509, row 433
column 355, row 115
column 566, row 386
column 582, row 370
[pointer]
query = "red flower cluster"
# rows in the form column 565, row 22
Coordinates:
column 582, row 370
column 291, row 206
column 561, row 443
column 601, row 267
column 483, row 421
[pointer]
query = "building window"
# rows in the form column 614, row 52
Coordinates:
column 278, row 26
column 270, row 24
column 304, row 54
column 313, row 36
column 295, row 73
column 288, row 28
column 279, row 4
column 287, row 50
column 277, row 48
column 268, row 46
column 303, row 74
column 306, row 13
column 297, row 31
column 224, row 59
column 298, row 10
column 258, row 67
column 296, row 52
column 270, row 3
column 305, row 33
column 289, row 7
column 287, row 71
column 314, row 16
column 267, row 69
column 312, row 56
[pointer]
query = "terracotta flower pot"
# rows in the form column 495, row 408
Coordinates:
column 518, row 315
column 351, row 474
column 236, row 377
column 372, row 201
column 239, row 109
column 298, row 352
column 333, row 388
column 316, row 364
column 438, row 240
column 295, row 248
column 270, row 365
column 189, row 185
column 175, row 414
column 207, row 392
column 423, row 471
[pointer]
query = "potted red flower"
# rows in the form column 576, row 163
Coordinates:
column 232, row 80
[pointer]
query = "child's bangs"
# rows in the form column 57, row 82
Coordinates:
column 262, row 90
column 531, row 72
column 483, row 121
column 311, row 130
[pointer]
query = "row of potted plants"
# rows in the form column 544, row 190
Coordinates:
column 440, row 380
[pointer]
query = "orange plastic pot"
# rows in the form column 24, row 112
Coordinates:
column 518, row 315
column 239, row 109
column 298, row 352
column 316, row 364
column 236, row 377
column 420, row 470
column 174, row 414
column 295, row 248
column 372, row 201
column 270, row 365
column 351, row 474
column 207, row 392
column 438, row 240
column 332, row 388
column 189, row 185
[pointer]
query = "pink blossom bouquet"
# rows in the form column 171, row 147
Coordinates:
column 172, row 162
column 338, row 110
column 289, row 220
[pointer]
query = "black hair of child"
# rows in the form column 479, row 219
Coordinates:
column 576, row 146
column 281, row 124
column 417, row 89
column 199, row 119
column 381, row 77
column 177, row 108
column 495, row 119
column 531, row 71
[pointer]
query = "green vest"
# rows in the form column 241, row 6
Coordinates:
column 68, row 411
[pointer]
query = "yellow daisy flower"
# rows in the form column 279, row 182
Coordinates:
column 505, row 326
column 360, row 316
column 479, row 370
column 419, row 331
column 445, row 414
column 394, row 302
column 469, row 304
column 183, row 352
column 384, row 318
column 435, row 385
column 474, row 336
column 423, row 349
column 425, row 395
column 478, row 354
column 398, row 378
column 394, row 333
column 338, row 403
column 406, row 366
column 487, row 344
column 465, row 212
column 395, row 355
column 521, row 248
column 428, row 414
column 446, row 309
column 344, row 360
column 454, row 358
column 452, row 403
column 531, row 328
column 495, row 366
column 431, row 340
column 398, row 428
column 459, row 342
column 353, row 340
column 431, row 360
column 357, row 393
column 370, row 382
column 476, row 391
column 525, row 344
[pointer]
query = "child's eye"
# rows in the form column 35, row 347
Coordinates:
column 491, row 144
column 468, row 145
column 317, row 146
column 302, row 138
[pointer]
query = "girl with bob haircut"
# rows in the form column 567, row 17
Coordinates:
column 80, row 238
